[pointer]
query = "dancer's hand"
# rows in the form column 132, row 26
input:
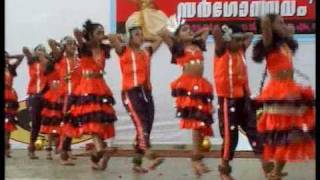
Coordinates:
column 53, row 43
column 202, row 33
column 216, row 30
column 77, row 33
column 115, row 40
column 220, row 44
column 166, row 36
column 55, row 48
column 26, row 51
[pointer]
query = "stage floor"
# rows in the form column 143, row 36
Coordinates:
column 19, row 167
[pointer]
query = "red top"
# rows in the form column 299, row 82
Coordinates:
column 230, row 75
column 135, row 69
column 37, row 78
column 279, row 60
column 281, row 84
column 101, row 60
column 53, row 79
column 91, row 79
column 69, row 76
column 190, row 56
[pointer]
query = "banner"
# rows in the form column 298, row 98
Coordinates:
column 300, row 13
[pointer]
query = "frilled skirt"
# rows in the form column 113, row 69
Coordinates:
column 193, row 98
column 52, row 112
column 287, row 121
column 11, row 109
column 91, row 110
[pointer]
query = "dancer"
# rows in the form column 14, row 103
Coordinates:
column 287, row 121
column 232, row 88
column 11, row 98
column 137, row 97
column 193, row 93
column 52, row 106
column 37, row 63
column 91, row 110
column 68, row 61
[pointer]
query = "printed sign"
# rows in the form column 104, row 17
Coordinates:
column 300, row 13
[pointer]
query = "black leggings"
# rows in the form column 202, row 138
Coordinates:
column 234, row 112
column 66, row 146
column 139, row 103
column 35, row 106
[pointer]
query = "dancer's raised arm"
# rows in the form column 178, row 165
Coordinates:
column 78, row 34
column 220, row 44
column 155, row 42
column 28, row 54
column 202, row 34
column 247, row 40
column 166, row 37
column 56, row 50
column 266, row 30
column 115, row 40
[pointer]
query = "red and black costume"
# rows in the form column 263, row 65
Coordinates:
column 69, row 79
column 288, row 119
column 52, row 102
column 36, row 88
column 11, row 99
column 193, row 93
column 232, row 88
column 136, row 93
column 91, row 110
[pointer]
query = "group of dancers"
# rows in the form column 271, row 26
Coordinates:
column 69, row 97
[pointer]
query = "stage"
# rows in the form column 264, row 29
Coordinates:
column 19, row 167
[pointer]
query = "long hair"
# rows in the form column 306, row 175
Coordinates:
column 50, row 66
column 12, row 69
column 260, row 51
column 88, row 29
column 177, row 50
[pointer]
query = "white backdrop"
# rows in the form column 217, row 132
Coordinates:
column 28, row 23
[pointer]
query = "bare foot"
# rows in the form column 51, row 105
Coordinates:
column 56, row 151
column 225, row 171
column 204, row 168
column 226, row 177
column 72, row 156
column 197, row 168
column 273, row 176
column 104, row 161
column 155, row 163
column 49, row 157
column 139, row 170
column 32, row 156
column 66, row 163
column 268, row 167
column 95, row 166
column 8, row 155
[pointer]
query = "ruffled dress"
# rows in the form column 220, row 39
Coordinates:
column 193, row 97
column 288, row 117
column 52, row 105
column 11, row 101
column 91, row 111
